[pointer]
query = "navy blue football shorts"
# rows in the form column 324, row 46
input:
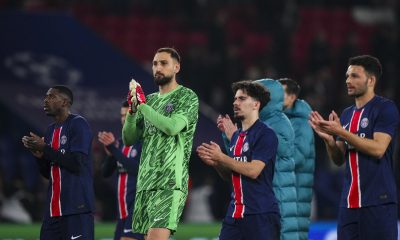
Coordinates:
column 71, row 227
column 124, row 229
column 373, row 222
column 265, row 226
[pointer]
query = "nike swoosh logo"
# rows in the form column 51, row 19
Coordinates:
column 157, row 219
column 127, row 230
column 345, row 126
column 75, row 237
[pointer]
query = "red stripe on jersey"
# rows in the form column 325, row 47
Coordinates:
column 237, row 181
column 55, row 203
column 126, row 150
column 122, row 186
column 354, row 196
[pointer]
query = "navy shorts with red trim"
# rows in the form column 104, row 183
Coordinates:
column 374, row 222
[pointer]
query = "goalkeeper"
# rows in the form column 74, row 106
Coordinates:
column 164, row 122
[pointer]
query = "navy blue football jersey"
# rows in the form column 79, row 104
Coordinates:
column 126, row 187
column 369, row 181
column 70, row 193
column 253, row 196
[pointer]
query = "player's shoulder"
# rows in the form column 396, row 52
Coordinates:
column 187, row 91
column 76, row 119
column 384, row 102
column 262, row 128
column 348, row 110
column 152, row 95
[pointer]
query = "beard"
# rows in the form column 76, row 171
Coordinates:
column 162, row 80
column 238, row 118
column 360, row 92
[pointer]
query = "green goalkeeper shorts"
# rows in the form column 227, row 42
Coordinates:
column 158, row 209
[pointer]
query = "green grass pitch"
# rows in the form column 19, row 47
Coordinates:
column 105, row 231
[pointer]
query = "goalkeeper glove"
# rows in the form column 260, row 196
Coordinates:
column 131, row 102
column 137, row 91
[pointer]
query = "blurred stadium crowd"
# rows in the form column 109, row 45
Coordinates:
column 220, row 42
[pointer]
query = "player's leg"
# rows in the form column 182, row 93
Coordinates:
column 127, row 231
column 119, row 228
column 348, row 223
column 379, row 222
column 158, row 234
column 79, row 226
column 265, row 226
column 230, row 229
column 140, row 222
column 166, row 210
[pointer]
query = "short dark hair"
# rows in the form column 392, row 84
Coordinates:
column 66, row 91
column 371, row 64
column 125, row 104
column 292, row 87
column 172, row 51
column 253, row 89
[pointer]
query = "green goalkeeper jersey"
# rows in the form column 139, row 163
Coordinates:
column 165, row 125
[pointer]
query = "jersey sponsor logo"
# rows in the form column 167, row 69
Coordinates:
column 241, row 158
column 364, row 122
column 63, row 139
column 75, row 237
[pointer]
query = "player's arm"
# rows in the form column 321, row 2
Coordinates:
column 108, row 166
column 375, row 147
column 132, row 130
column 223, row 172
column 212, row 155
column 335, row 150
column 44, row 167
column 70, row 161
column 131, row 165
column 384, row 130
column 249, row 169
column 168, row 125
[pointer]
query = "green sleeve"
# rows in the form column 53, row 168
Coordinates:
column 132, row 130
column 169, row 125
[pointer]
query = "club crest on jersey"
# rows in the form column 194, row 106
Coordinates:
column 364, row 122
column 63, row 140
column 169, row 107
column 133, row 153
column 245, row 147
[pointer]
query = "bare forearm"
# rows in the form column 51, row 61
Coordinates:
column 247, row 169
column 371, row 147
column 334, row 152
column 224, row 173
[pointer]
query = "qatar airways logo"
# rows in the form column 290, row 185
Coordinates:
column 241, row 158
